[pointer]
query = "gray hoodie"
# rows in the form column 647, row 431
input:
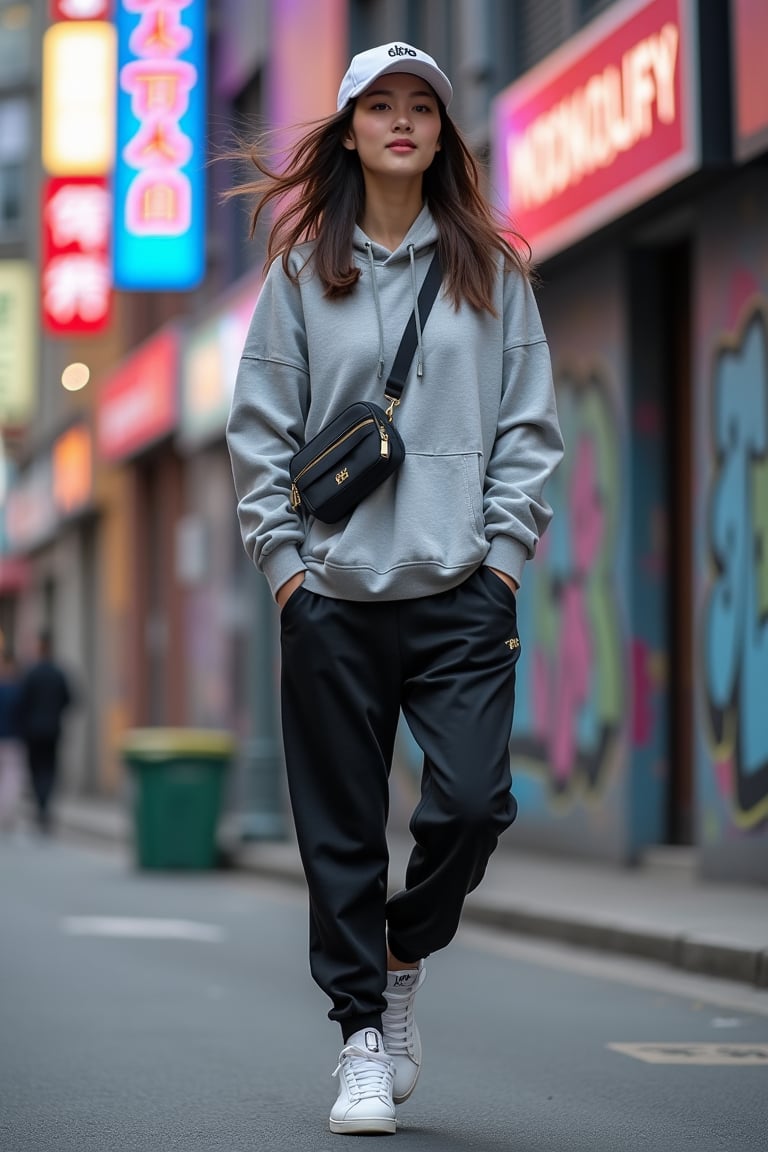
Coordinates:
column 477, row 416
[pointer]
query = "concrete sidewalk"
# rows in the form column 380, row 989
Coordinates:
column 660, row 911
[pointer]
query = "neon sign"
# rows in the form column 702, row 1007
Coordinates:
column 159, row 176
column 76, row 276
column 79, row 68
column 81, row 9
column 78, row 98
column 602, row 124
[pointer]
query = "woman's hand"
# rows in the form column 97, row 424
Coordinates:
column 285, row 591
column 510, row 583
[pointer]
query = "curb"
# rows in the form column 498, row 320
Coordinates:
column 704, row 957
column 744, row 965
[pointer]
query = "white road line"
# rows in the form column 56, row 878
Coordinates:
column 740, row 1054
column 141, row 929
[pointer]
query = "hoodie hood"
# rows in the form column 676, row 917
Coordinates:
column 422, row 235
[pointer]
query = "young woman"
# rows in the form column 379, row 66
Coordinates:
column 409, row 601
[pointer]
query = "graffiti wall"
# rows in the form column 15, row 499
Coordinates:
column 569, row 738
column 732, row 531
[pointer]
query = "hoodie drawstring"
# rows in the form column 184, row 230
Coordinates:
column 420, row 358
column 377, row 305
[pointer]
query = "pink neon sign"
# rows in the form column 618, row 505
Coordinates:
column 159, row 198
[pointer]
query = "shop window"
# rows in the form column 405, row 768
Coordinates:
column 590, row 8
column 248, row 117
column 541, row 26
column 14, row 130
column 15, row 41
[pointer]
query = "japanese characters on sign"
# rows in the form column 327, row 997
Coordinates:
column 79, row 70
column 159, row 174
column 76, row 278
column 602, row 124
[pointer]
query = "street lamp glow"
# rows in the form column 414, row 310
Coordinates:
column 75, row 376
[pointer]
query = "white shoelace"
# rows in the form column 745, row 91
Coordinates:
column 398, row 1024
column 397, row 1021
column 366, row 1073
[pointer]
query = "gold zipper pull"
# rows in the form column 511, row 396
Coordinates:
column 295, row 496
column 384, row 443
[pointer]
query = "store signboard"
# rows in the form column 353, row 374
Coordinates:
column 749, row 52
column 601, row 125
column 159, row 232
column 18, row 342
column 79, row 69
column 209, row 367
column 76, row 269
column 79, row 98
column 81, row 9
column 137, row 403
column 72, row 470
column 30, row 515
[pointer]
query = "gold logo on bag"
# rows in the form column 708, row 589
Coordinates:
column 342, row 476
column 513, row 643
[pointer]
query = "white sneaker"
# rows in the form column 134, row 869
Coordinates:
column 365, row 1071
column 401, row 1036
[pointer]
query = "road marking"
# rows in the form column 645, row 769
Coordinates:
column 740, row 1054
column 141, row 929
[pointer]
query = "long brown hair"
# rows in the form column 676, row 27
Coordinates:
column 323, row 193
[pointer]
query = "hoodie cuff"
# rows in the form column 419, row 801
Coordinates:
column 280, row 565
column 508, row 556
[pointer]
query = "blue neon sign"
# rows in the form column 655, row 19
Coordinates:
column 159, row 185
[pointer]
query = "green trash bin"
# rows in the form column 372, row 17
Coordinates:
column 178, row 783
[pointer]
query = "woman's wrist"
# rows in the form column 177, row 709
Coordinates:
column 285, row 591
column 508, row 580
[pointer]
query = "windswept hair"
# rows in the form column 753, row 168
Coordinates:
column 319, row 194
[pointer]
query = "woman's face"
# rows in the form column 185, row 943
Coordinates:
column 395, row 127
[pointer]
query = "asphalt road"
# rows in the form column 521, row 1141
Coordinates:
column 158, row 1011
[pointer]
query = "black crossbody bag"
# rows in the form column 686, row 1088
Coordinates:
column 360, row 447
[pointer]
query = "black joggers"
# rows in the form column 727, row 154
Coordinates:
column 348, row 668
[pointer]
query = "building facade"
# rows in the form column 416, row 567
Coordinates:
column 629, row 142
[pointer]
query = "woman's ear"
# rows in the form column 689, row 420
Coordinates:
column 349, row 141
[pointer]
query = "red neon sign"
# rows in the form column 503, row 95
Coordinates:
column 599, row 126
column 76, row 276
column 81, row 10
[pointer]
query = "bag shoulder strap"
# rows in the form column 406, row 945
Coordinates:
column 402, row 364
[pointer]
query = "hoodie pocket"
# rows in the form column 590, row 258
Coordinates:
column 430, row 512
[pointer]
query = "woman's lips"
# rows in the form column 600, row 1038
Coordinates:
column 401, row 146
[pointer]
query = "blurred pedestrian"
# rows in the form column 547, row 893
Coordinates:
column 11, row 746
column 45, row 695
column 408, row 601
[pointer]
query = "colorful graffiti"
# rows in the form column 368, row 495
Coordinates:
column 736, row 614
column 570, row 705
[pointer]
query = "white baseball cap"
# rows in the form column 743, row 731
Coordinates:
column 368, row 66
